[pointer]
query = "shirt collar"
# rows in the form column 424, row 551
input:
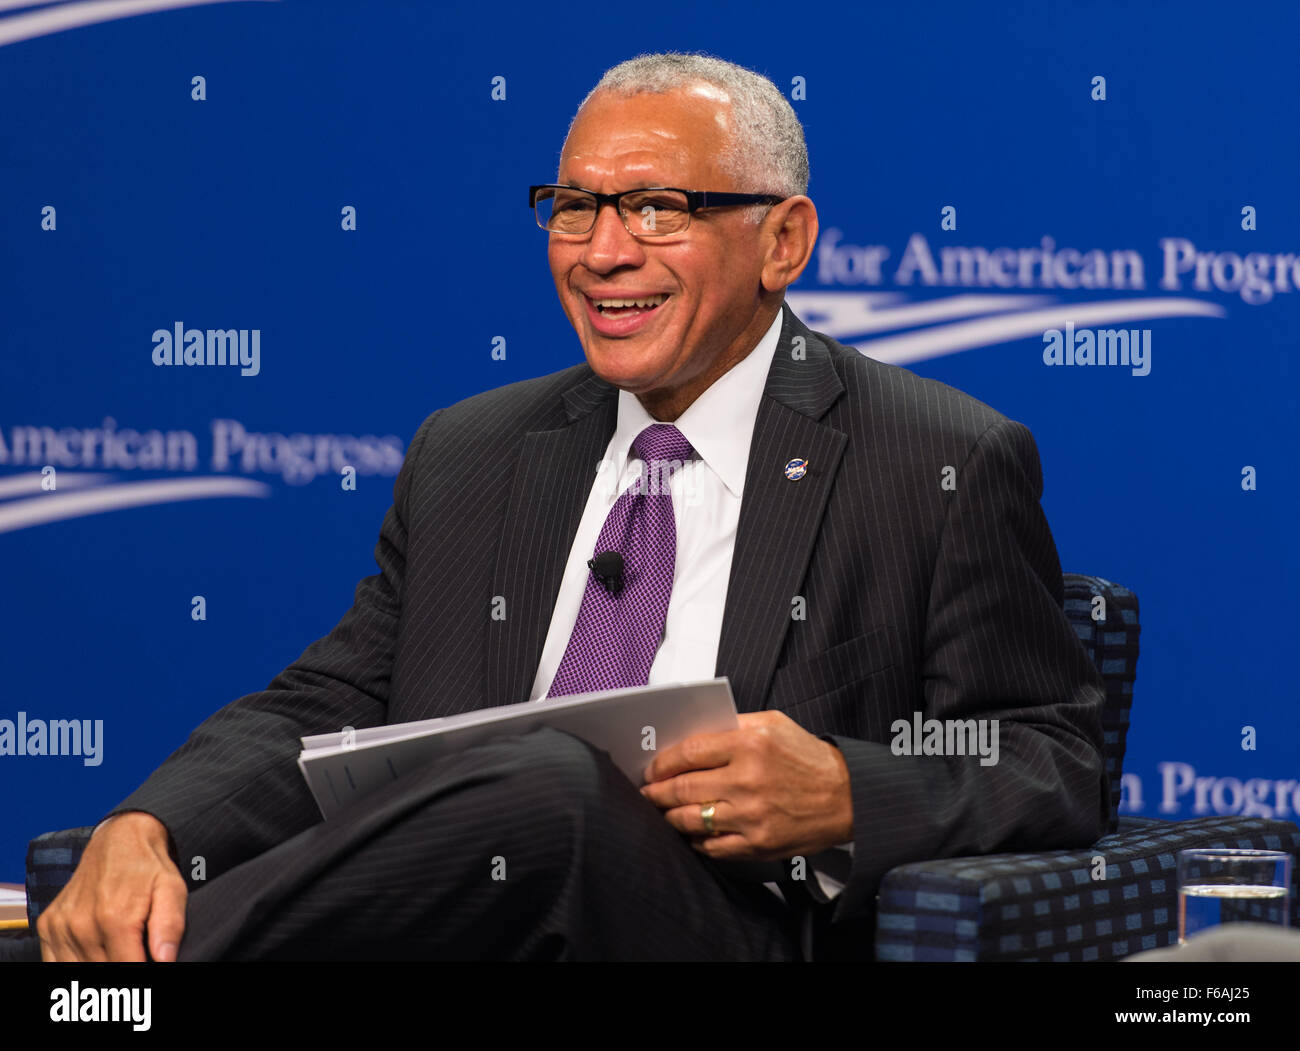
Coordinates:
column 719, row 424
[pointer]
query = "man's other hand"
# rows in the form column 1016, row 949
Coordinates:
column 125, row 887
column 777, row 790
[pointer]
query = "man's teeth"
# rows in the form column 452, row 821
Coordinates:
column 618, row 304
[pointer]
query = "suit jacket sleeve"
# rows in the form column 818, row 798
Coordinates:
column 233, row 789
column 996, row 645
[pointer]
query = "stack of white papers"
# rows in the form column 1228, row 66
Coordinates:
column 13, row 905
column 632, row 725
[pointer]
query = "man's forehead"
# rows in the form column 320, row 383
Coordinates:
column 647, row 137
column 632, row 167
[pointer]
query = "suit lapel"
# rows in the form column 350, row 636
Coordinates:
column 553, row 478
column 779, row 518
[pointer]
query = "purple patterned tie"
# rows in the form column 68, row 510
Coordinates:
column 614, row 639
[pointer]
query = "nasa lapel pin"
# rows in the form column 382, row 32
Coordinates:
column 796, row 468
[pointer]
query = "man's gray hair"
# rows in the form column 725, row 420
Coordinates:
column 767, row 153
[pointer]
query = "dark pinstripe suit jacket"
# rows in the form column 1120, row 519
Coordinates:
column 918, row 598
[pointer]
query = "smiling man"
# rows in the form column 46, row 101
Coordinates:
column 852, row 545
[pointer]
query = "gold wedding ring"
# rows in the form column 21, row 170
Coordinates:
column 706, row 815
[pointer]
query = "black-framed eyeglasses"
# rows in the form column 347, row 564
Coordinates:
column 655, row 211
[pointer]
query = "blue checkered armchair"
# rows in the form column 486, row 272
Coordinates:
column 999, row 906
column 1047, row 906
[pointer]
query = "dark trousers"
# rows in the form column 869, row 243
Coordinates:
column 527, row 847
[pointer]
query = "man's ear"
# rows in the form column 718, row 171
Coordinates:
column 788, row 233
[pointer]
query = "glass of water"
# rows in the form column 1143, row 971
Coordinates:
column 1217, row 885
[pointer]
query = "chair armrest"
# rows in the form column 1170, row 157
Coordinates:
column 1048, row 906
column 51, row 861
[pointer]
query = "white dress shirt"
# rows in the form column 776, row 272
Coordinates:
column 706, row 494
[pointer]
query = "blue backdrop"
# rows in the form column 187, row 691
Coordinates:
column 136, row 198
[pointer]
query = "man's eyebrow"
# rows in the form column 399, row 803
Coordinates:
column 641, row 184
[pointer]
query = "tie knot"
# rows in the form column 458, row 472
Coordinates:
column 662, row 443
column 663, row 449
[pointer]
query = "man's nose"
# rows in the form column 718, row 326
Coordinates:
column 611, row 245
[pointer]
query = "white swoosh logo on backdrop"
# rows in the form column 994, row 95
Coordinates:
column 841, row 314
column 55, row 18
column 58, row 505
column 26, row 484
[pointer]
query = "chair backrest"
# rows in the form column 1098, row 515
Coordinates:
column 1112, row 644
